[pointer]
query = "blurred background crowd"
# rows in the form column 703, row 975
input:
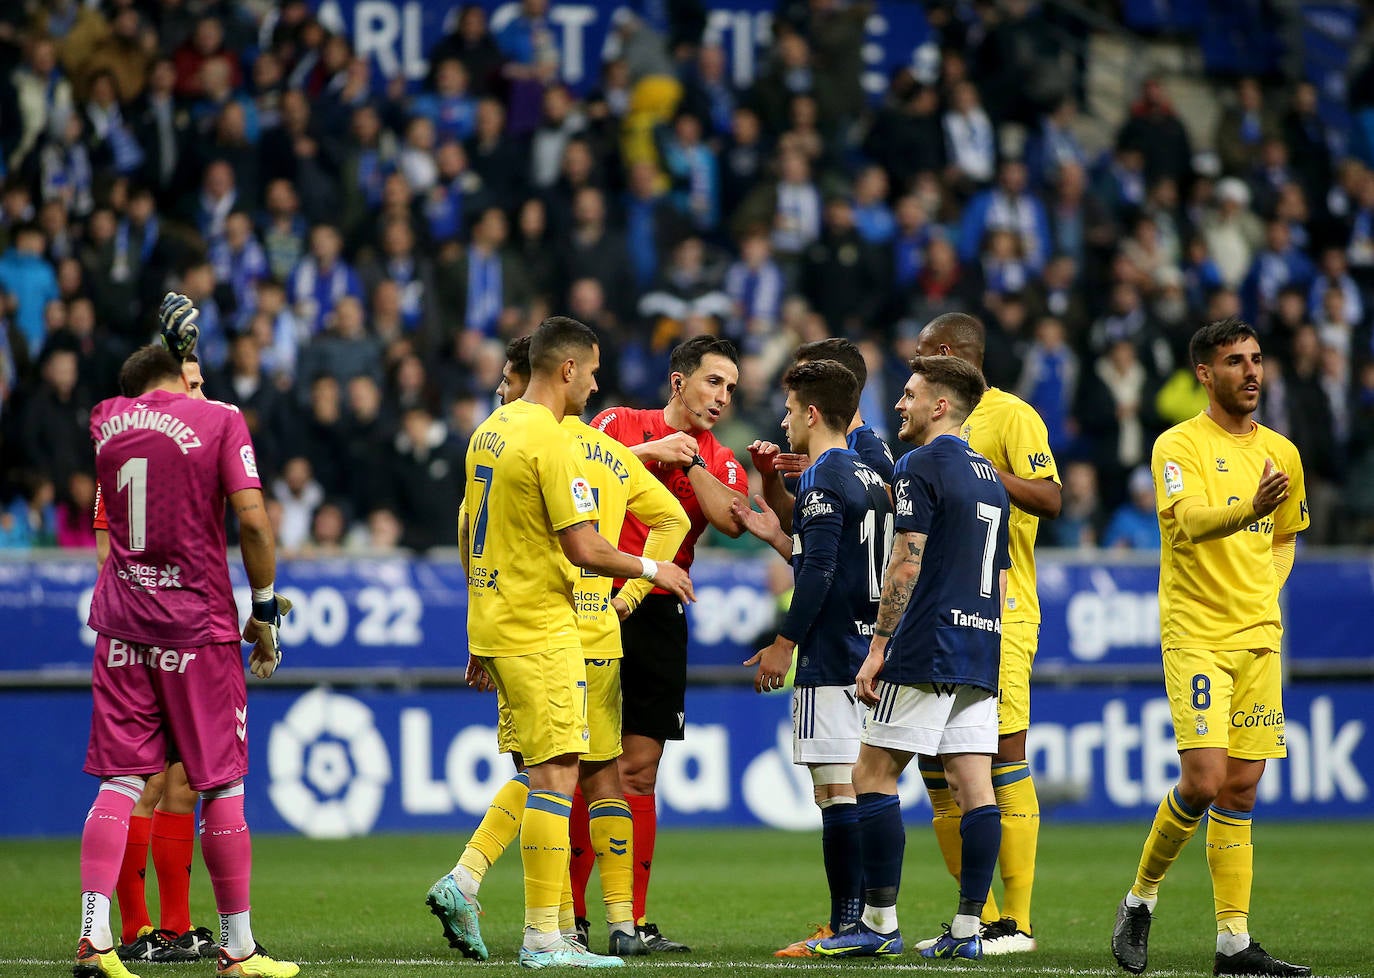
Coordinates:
column 361, row 248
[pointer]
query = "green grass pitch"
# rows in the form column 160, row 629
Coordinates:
column 356, row 907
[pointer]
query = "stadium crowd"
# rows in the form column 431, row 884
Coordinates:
column 361, row 249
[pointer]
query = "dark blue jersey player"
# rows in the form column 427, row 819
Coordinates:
column 930, row 675
column 841, row 535
column 781, row 470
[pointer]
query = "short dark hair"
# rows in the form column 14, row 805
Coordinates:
column 557, row 338
column 518, row 353
column 840, row 350
column 957, row 377
column 1210, row 338
column 830, row 386
column 147, row 367
column 960, row 331
column 687, row 355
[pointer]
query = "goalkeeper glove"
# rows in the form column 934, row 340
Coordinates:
column 262, row 630
column 177, row 321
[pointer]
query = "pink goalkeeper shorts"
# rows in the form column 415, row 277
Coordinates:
column 153, row 704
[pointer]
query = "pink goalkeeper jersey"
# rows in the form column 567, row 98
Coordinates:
column 165, row 464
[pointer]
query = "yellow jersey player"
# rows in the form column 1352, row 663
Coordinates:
column 620, row 484
column 1008, row 432
column 1231, row 502
column 527, row 500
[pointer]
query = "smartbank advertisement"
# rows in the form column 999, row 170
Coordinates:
column 332, row 762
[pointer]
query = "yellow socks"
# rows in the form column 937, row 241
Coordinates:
column 945, row 822
column 1173, row 826
column 612, row 840
column 1231, row 860
column 498, row 828
column 1020, row 808
column 545, row 850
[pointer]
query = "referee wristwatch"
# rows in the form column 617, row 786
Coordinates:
column 696, row 460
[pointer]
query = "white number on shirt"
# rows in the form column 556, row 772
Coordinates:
column 877, row 558
column 992, row 516
column 134, row 475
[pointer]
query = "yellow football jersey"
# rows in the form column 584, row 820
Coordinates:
column 620, row 483
column 1222, row 594
column 1007, row 432
column 524, row 484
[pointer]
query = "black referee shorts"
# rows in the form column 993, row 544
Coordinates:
column 653, row 674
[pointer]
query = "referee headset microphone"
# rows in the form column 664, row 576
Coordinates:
column 677, row 392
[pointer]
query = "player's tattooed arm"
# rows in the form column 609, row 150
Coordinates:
column 899, row 581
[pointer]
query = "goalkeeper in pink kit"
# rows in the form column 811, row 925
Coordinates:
column 168, row 664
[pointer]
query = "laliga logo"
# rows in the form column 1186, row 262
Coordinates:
column 328, row 766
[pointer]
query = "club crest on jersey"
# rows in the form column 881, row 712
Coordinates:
column 815, row 505
column 583, row 500
column 1173, row 479
column 1201, row 725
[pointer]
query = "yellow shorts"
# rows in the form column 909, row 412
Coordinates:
column 1230, row 699
column 1020, row 639
column 603, row 714
column 603, row 709
column 544, row 695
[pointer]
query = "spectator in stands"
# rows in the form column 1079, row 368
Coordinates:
column 29, row 284
column 322, row 278
column 43, row 96
column 483, row 289
column 240, row 263
column 1155, row 129
column 560, row 121
column 124, row 50
column 74, row 528
column 1243, row 128
column 415, row 159
column 450, row 107
column 1058, row 293
column 1081, row 224
column 246, row 383
column 842, row 275
column 594, row 250
column 1232, row 231
column 688, row 290
column 906, row 135
column 873, row 217
column 298, row 494
column 1121, row 184
column 536, row 249
column 1134, row 525
column 1055, row 145
column 282, row 229
column 743, row 160
column 65, row 172
column 708, row 92
column 1049, row 382
column 693, row 171
column 1012, row 206
column 1278, row 265
column 426, row 469
column 970, row 141
column 1304, row 132
column 345, row 349
column 754, row 284
column 369, row 436
column 1080, row 519
column 413, row 272
column 494, row 156
column 205, row 44
column 1335, row 274
column 328, row 528
column 52, row 427
column 576, row 172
